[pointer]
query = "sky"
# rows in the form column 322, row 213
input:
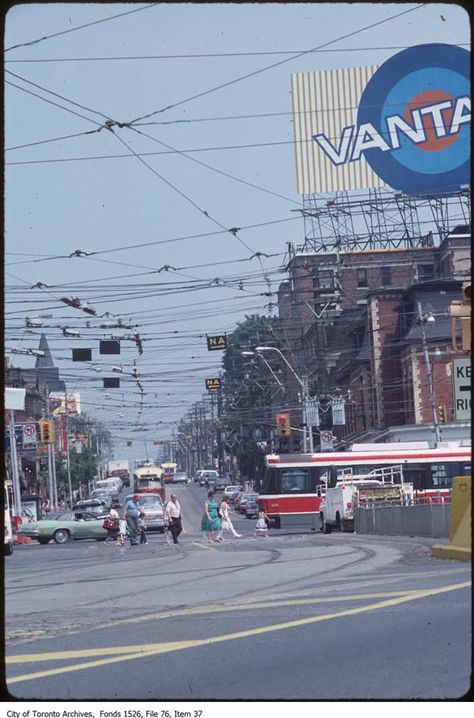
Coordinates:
column 207, row 87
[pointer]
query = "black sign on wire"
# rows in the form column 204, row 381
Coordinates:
column 82, row 354
column 215, row 343
column 111, row 382
column 109, row 347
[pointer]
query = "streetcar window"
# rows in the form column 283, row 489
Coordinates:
column 295, row 481
column 443, row 474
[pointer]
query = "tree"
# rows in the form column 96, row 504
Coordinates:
column 249, row 390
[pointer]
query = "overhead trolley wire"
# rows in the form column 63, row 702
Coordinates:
column 79, row 27
column 276, row 64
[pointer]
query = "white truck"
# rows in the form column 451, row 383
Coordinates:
column 119, row 469
column 350, row 492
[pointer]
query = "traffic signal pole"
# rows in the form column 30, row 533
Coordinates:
column 15, row 470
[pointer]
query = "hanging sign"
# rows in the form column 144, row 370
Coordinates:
column 218, row 342
column 213, row 384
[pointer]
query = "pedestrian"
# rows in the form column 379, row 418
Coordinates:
column 211, row 522
column 142, row 527
column 133, row 510
column 261, row 527
column 224, row 511
column 173, row 512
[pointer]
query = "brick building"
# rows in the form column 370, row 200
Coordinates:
column 350, row 321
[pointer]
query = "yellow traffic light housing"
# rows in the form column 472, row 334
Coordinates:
column 462, row 310
column 283, row 425
column 46, row 432
column 442, row 416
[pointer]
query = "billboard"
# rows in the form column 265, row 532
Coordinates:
column 57, row 404
column 404, row 125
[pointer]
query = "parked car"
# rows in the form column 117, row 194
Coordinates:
column 237, row 498
column 180, row 477
column 231, row 491
column 251, row 507
column 245, row 497
column 221, row 484
column 61, row 527
column 152, row 505
column 93, row 506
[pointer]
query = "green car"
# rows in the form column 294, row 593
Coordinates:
column 62, row 527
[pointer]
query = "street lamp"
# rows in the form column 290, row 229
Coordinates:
column 255, row 353
column 304, row 393
column 423, row 319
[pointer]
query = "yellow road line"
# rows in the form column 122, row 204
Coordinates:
column 157, row 648
column 216, row 608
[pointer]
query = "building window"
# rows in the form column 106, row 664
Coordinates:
column 425, row 272
column 324, row 280
column 386, row 276
column 362, row 277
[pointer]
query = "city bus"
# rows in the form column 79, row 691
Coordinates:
column 293, row 485
column 149, row 479
column 169, row 471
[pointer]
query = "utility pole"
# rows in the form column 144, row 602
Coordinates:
column 422, row 319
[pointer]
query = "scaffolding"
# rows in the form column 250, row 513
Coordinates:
column 380, row 219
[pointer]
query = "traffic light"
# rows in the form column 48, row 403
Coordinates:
column 442, row 414
column 46, row 432
column 462, row 310
column 283, row 424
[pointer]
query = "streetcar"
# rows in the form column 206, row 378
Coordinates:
column 294, row 485
column 169, row 471
column 149, row 479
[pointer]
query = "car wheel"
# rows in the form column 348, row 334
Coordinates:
column 61, row 536
column 43, row 541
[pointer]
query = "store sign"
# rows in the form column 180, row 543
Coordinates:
column 405, row 124
column 58, row 405
column 213, row 384
column 21, row 447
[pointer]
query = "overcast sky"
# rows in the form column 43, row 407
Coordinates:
column 209, row 80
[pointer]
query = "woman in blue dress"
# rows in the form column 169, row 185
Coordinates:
column 211, row 522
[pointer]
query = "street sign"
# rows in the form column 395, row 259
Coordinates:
column 214, row 383
column 461, row 373
column 29, row 436
column 327, row 441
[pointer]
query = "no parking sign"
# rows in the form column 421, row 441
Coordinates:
column 29, row 435
column 327, row 441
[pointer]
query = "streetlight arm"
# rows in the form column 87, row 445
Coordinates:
column 274, row 349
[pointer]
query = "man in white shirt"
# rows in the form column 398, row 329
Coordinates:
column 173, row 512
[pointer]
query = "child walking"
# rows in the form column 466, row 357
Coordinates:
column 261, row 527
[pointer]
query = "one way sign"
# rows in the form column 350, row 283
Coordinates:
column 461, row 371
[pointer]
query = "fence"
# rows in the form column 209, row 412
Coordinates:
column 422, row 519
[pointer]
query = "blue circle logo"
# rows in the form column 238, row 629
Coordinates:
column 414, row 120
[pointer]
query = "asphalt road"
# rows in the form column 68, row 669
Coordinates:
column 302, row 616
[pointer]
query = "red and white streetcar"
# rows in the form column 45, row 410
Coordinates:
column 294, row 484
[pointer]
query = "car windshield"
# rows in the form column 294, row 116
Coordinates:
column 63, row 516
column 148, row 500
